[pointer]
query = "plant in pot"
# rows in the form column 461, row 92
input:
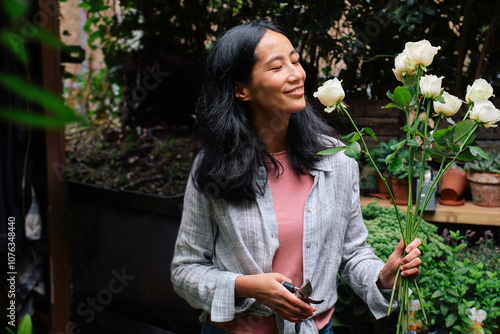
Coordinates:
column 453, row 185
column 399, row 178
column 379, row 155
column 484, row 177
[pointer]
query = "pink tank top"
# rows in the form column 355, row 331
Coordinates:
column 290, row 191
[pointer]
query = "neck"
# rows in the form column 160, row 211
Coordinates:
column 272, row 131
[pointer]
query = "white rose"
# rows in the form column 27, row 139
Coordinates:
column 430, row 85
column 421, row 52
column 330, row 93
column 485, row 112
column 403, row 65
column 450, row 106
column 480, row 90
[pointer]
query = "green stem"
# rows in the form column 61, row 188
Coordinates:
column 422, row 304
column 367, row 152
column 468, row 111
column 437, row 122
column 394, row 289
column 422, row 170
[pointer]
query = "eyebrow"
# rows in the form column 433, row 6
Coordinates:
column 279, row 57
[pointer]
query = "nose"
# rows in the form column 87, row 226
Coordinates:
column 296, row 72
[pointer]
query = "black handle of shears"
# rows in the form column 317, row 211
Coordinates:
column 289, row 286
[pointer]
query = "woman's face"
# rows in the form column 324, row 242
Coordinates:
column 277, row 83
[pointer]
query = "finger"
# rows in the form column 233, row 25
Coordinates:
column 413, row 245
column 414, row 254
column 293, row 312
column 415, row 263
column 413, row 272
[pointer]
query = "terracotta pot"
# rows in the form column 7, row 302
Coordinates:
column 485, row 188
column 381, row 189
column 453, row 184
column 400, row 190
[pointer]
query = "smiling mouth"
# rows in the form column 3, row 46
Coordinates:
column 297, row 90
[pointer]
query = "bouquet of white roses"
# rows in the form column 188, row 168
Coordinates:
column 445, row 146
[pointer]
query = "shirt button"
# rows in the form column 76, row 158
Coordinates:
column 309, row 210
column 308, row 245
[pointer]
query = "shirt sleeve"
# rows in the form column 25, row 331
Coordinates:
column 193, row 274
column 360, row 266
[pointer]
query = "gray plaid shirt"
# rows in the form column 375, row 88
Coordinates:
column 218, row 241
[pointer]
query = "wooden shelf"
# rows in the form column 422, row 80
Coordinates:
column 468, row 213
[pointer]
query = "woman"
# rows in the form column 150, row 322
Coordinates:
column 262, row 208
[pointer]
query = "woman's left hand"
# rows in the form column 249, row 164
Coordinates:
column 410, row 264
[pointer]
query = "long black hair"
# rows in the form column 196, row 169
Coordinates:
column 232, row 154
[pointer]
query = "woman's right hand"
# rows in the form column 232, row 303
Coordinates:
column 268, row 290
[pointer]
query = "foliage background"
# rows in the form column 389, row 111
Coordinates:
column 154, row 51
column 356, row 40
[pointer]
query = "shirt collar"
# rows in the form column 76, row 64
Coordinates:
column 323, row 165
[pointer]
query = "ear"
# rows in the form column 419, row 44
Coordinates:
column 241, row 92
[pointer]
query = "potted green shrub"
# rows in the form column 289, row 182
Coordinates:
column 379, row 156
column 399, row 179
column 484, row 178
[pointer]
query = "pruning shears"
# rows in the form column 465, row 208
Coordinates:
column 302, row 293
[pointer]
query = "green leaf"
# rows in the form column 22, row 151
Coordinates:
column 36, row 120
column 332, row 150
column 444, row 309
column 395, row 165
column 416, row 124
column 398, row 145
column 353, row 150
column 466, row 156
column 436, row 294
column 355, row 138
column 15, row 9
column 459, row 247
column 25, row 327
column 93, row 6
column 439, row 98
column 418, row 155
column 9, row 331
column 349, row 136
column 37, row 95
column 15, row 44
column 476, row 150
column 402, row 96
column 443, row 137
column 392, row 105
column 413, row 143
column 390, row 95
column 410, row 81
column 450, row 319
column 370, row 132
column 462, row 130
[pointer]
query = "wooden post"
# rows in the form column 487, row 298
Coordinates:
column 57, row 202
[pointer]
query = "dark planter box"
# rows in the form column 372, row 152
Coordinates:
column 122, row 246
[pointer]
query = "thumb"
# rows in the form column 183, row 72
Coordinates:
column 400, row 247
